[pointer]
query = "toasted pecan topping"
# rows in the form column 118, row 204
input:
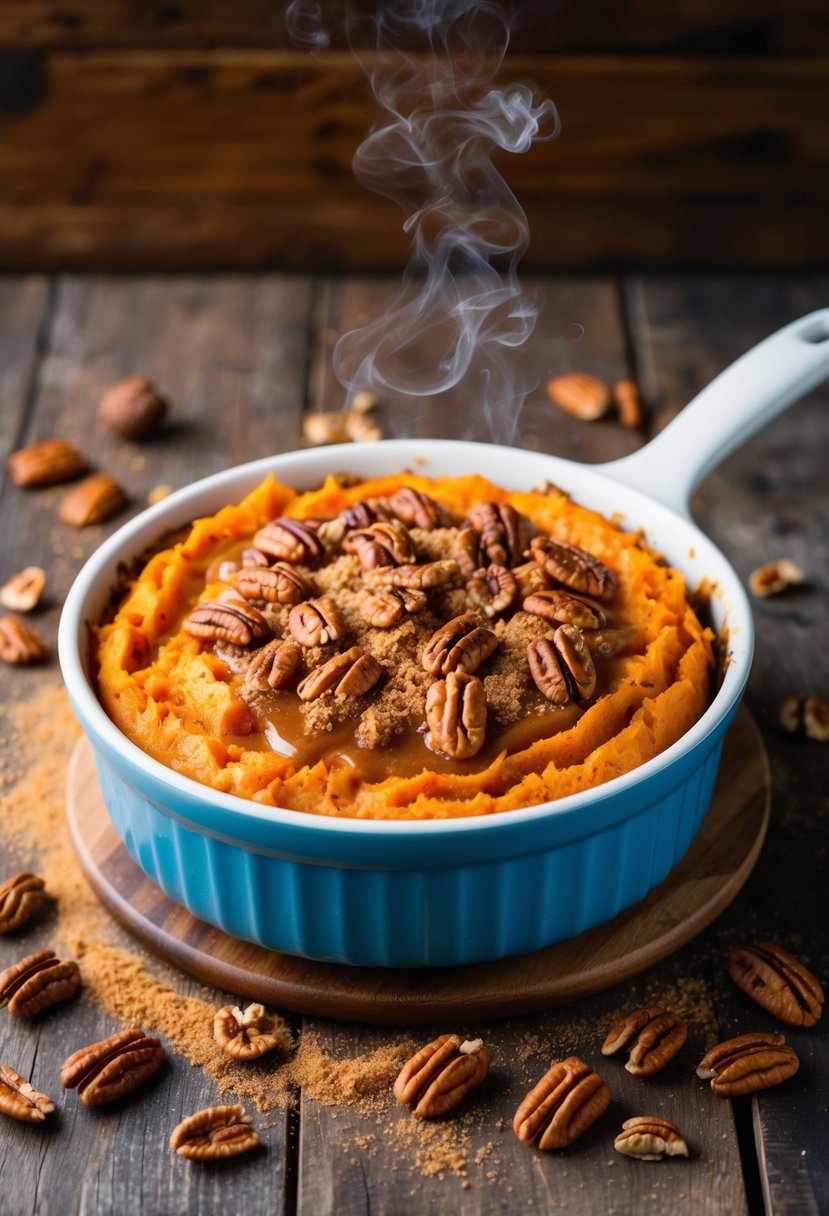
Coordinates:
column 274, row 665
column 564, row 608
column 289, row 540
column 456, row 715
column 227, row 620
column 277, row 584
column 493, row 590
column 462, row 643
column 574, row 567
column 562, row 668
column 316, row 622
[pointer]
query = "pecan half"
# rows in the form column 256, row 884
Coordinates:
column 385, row 543
column 568, row 1099
column 503, row 532
column 439, row 1076
column 20, row 644
column 246, row 1034
column 574, row 567
column 367, row 511
column 530, row 578
column 565, row 608
column 112, row 1068
column 38, row 982
column 351, row 674
column 219, row 1131
column 562, row 668
column 290, row 540
column 92, row 501
column 385, row 608
column 316, row 622
column 456, row 715
column 252, row 557
column 21, row 896
column 132, row 408
column 774, row 577
column 19, row 1100
column 227, row 620
column 466, row 551
column 418, row 578
column 650, row 1138
column 23, row 591
column 273, row 665
column 494, row 589
column 628, row 402
column 418, row 510
column 748, row 1063
column 580, row 395
column 653, row 1035
column 45, row 464
column 277, row 584
column 461, row 643
column 778, row 982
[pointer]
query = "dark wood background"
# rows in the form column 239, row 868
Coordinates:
column 190, row 134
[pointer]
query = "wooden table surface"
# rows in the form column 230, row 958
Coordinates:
column 241, row 358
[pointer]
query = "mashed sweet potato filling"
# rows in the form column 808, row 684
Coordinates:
column 180, row 702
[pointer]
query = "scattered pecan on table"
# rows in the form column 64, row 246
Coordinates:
column 441, row 1074
column 653, row 1036
column 568, row 1099
column 112, row 1068
column 210, row 1135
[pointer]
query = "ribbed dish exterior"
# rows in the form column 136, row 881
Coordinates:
column 394, row 915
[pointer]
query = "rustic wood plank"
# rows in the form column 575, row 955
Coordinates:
column 244, row 159
column 704, row 26
column 768, row 500
column 24, row 318
column 230, row 353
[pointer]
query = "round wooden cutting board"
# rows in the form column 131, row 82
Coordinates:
column 702, row 885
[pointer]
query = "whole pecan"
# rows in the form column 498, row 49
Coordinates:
column 778, row 982
column 23, row 591
column 132, row 408
column 92, row 501
column 503, row 532
column 20, row 644
column 574, row 567
column 385, row 543
column 456, row 715
column 219, row 1131
column 385, row 608
column 562, row 668
column 290, row 540
column 362, row 514
column 748, row 1063
column 246, row 1034
column 21, row 896
column 112, row 1068
column 413, row 577
column 461, row 643
column 418, row 510
column 579, row 394
column 493, row 589
column 45, row 464
column 316, row 622
column 227, row 620
column 568, row 1099
column 19, row 1100
column 351, row 674
column 441, row 1074
column 650, row 1138
column 564, row 608
column 653, row 1035
column 38, row 982
column 273, row 665
column 277, row 584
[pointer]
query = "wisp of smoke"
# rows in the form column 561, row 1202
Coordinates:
column 460, row 315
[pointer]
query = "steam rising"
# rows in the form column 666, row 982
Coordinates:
column 460, row 315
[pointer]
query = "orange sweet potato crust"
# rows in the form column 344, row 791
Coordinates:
column 174, row 698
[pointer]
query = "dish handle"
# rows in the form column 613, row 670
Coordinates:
column 756, row 388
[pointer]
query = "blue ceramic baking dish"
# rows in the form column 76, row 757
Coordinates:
column 458, row 891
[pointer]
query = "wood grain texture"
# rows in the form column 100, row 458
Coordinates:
column 243, row 158
column 705, row 882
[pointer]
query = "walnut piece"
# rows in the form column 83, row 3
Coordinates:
column 21, row 897
column 456, row 715
column 650, row 1138
column 778, row 982
column 653, row 1035
column 132, row 408
column 112, row 1068
column 439, row 1076
column 246, row 1034
column 219, row 1131
column 19, row 1100
column 38, row 982
column 568, row 1099
column 748, row 1063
